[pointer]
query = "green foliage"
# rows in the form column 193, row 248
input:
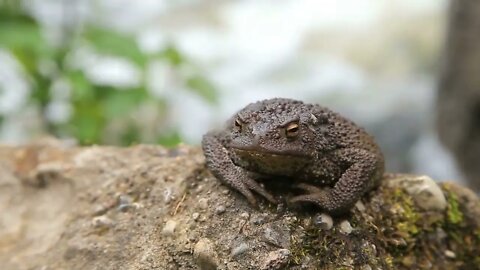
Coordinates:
column 203, row 88
column 116, row 44
column 99, row 113
column 170, row 139
column 173, row 56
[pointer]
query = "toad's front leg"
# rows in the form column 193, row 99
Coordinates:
column 219, row 163
column 363, row 170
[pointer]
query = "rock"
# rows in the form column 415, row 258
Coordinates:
column 220, row 210
column 258, row 219
column 169, row 228
column 203, row 203
column 423, row 189
column 323, row 221
column 124, row 202
column 276, row 259
column 239, row 249
column 466, row 197
column 360, row 206
column 450, row 254
column 345, row 227
column 204, row 255
column 365, row 267
column 59, row 218
column 102, row 222
column 276, row 234
column 168, row 195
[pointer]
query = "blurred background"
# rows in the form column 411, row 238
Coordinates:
column 122, row 72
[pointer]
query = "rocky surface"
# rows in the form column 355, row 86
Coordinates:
column 147, row 207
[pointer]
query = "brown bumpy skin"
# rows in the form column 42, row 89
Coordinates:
column 324, row 154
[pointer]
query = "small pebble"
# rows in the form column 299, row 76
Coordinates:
column 360, row 206
column 276, row 234
column 365, row 267
column 220, row 209
column 99, row 210
column 244, row 215
column 124, row 199
column 271, row 236
column 169, row 227
column 204, row 255
column 195, row 216
column 441, row 234
column 124, row 207
column 323, row 221
column 102, row 222
column 450, row 254
column 399, row 242
column 137, row 205
column 276, row 259
column 124, row 202
column 345, row 227
column 168, row 195
column 203, row 203
column 240, row 249
column 258, row 220
column 225, row 191
column 369, row 248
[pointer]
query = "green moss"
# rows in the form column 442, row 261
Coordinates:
column 398, row 230
column 454, row 215
column 389, row 262
column 407, row 216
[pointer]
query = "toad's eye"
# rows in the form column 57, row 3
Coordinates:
column 291, row 131
column 238, row 124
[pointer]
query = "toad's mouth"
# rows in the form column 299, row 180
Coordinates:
column 283, row 163
column 258, row 150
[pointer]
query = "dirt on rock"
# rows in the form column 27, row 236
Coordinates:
column 148, row 207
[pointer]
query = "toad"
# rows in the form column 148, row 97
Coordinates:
column 331, row 159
